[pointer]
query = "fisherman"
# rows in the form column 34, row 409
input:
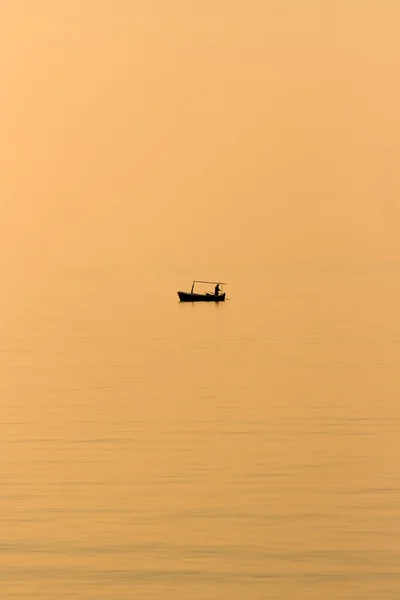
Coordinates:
column 216, row 292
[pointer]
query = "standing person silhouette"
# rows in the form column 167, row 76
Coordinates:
column 216, row 291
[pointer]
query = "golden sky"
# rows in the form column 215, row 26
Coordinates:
column 173, row 131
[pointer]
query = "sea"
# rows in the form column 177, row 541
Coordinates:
column 158, row 449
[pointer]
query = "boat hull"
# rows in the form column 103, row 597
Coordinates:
column 189, row 297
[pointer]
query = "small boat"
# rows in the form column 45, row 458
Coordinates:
column 192, row 296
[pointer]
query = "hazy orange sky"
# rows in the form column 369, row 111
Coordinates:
column 267, row 130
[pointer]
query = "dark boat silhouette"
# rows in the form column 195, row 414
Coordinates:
column 193, row 296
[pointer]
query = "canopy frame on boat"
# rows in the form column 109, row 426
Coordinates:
column 200, row 281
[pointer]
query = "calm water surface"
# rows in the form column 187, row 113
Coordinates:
column 152, row 449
